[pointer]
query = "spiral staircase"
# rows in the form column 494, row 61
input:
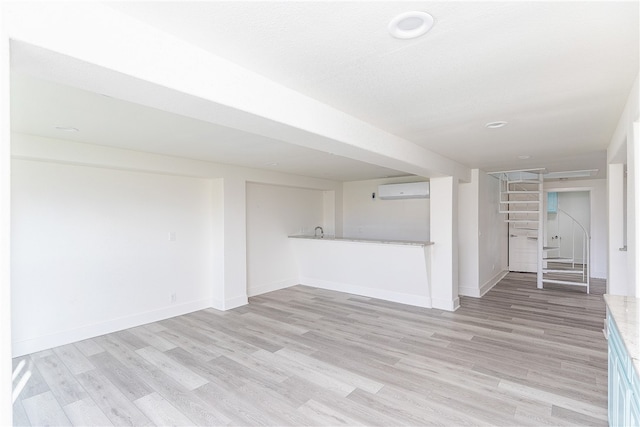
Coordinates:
column 522, row 202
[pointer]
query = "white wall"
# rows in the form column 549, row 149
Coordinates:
column 598, row 225
column 482, row 238
column 493, row 234
column 91, row 224
column 5, row 230
column 332, row 224
column 622, row 151
column 617, row 259
column 635, row 261
column 273, row 213
column 630, row 204
column 92, row 246
column 367, row 217
column 468, row 235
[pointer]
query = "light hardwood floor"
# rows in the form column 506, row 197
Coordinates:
column 304, row 356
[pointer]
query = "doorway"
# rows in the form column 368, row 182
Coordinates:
column 523, row 248
column 558, row 229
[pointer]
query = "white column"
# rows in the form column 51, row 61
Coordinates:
column 444, row 252
column 329, row 212
column 5, row 226
column 632, row 177
column 469, row 230
column 229, row 243
column 617, row 271
column 635, row 253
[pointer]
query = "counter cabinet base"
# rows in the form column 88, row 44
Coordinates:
column 623, row 381
column 387, row 271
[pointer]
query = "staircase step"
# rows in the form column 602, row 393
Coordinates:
column 558, row 259
column 548, row 270
column 518, row 212
column 524, row 181
column 521, row 221
column 521, row 202
column 565, row 282
column 550, row 248
column 521, row 192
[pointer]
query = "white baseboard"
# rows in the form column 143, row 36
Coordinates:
column 232, row 303
column 410, row 299
column 447, row 305
column 489, row 284
column 32, row 345
column 217, row 304
column 469, row 291
column 270, row 287
column 229, row 304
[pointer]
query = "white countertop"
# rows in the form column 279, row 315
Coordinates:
column 358, row 240
column 626, row 314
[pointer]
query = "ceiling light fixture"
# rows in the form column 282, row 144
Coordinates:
column 495, row 125
column 524, row 157
column 67, row 128
column 410, row 25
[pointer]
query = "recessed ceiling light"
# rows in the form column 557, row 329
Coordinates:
column 272, row 164
column 495, row 125
column 67, row 128
column 410, row 25
column 524, row 157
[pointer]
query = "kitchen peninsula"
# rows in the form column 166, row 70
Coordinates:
column 392, row 270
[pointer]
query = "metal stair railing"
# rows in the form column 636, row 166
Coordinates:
column 586, row 249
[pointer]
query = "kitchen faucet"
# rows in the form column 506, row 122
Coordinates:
column 315, row 232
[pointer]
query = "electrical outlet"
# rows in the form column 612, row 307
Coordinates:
column 172, row 236
column 174, row 297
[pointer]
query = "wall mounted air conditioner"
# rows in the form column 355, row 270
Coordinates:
column 407, row 190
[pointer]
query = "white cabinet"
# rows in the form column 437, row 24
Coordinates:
column 634, row 415
column 624, row 384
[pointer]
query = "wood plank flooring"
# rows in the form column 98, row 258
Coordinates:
column 304, row 356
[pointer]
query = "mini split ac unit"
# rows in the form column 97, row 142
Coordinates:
column 407, row 190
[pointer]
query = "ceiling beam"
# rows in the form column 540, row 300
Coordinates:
column 94, row 47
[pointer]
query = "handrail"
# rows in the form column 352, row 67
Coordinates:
column 586, row 248
column 584, row 230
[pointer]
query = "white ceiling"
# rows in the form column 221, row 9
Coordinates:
column 39, row 106
column 557, row 72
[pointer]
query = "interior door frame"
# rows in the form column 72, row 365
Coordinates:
column 568, row 190
column 545, row 192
